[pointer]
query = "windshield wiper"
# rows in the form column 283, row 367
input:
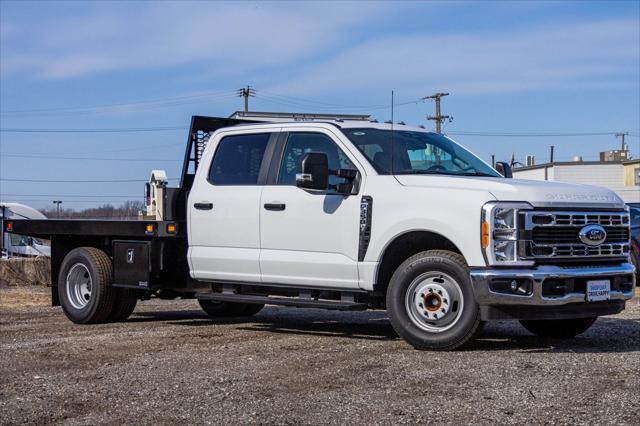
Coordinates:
column 480, row 174
column 427, row 172
column 441, row 172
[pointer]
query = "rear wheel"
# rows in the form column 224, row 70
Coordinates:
column 560, row 329
column 430, row 301
column 217, row 309
column 125, row 301
column 84, row 286
column 252, row 309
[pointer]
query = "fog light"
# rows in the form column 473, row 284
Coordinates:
column 518, row 286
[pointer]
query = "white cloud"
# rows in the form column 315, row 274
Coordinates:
column 312, row 48
column 240, row 36
column 552, row 57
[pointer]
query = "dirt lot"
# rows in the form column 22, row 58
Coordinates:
column 171, row 364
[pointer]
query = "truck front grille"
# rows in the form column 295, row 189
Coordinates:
column 569, row 235
column 556, row 235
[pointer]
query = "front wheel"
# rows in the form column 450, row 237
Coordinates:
column 559, row 329
column 430, row 301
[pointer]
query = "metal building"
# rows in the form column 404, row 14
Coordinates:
column 623, row 177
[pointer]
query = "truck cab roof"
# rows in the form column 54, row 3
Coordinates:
column 341, row 124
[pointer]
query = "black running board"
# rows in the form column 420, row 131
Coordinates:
column 298, row 302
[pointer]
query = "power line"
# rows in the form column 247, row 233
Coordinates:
column 71, row 201
column 152, row 103
column 79, row 181
column 141, row 148
column 525, row 134
column 49, row 157
column 172, row 128
column 303, row 103
column 325, row 104
column 73, row 195
column 107, row 130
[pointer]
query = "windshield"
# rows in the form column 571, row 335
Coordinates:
column 416, row 153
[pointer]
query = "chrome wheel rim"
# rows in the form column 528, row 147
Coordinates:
column 434, row 302
column 79, row 286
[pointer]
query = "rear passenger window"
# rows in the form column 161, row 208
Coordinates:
column 238, row 159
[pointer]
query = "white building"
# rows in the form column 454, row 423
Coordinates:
column 623, row 177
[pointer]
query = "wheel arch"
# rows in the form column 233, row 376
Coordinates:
column 405, row 245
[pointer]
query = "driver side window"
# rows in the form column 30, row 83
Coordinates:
column 300, row 143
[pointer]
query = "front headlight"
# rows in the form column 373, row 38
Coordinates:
column 500, row 233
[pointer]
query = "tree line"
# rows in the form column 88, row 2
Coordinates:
column 127, row 210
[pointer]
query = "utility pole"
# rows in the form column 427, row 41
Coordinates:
column 439, row 118
column 2, row 213
column 493, row 161
column 621, row 135
column 551, row 148
column 245, row 93
column 57, row 203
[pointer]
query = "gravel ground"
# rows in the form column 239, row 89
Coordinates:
column 171, row 364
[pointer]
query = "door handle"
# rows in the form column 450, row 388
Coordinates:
column 203, row 206
column 275, row 206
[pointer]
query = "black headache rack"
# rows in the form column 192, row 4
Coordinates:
column 199, row 134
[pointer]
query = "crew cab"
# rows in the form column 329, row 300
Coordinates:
column 351, row 215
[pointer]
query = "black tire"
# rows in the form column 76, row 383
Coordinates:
column 558, row 329
column 96, row 265
column 222, row 309
column 460, row 328
column 124, row 304
column 252, row 309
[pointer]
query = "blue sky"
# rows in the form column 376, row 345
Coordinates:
column 537, row 67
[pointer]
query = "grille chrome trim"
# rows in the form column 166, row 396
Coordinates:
column 568, row 218
column 538, row 245
column 578, row 250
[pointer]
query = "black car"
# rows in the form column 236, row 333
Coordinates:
column 635, row 237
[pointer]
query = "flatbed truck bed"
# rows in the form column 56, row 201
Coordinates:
column 47, row 228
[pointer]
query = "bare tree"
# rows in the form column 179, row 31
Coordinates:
column 128, row 210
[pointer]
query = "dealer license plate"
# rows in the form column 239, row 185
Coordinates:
column 598, row 290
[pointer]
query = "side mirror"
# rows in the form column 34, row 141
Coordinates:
column 314, row 171
column 504, row 169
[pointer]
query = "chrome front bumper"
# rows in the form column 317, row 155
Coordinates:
column 482, row 278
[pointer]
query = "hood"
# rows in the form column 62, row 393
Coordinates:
column 537, row 193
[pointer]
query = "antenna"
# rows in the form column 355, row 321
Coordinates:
column 392, row 146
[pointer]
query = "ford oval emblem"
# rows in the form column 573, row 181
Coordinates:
column 593, row 235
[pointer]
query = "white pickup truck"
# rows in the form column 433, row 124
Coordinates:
column 352, row 215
